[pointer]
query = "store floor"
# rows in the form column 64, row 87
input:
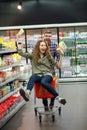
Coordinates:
column 73, row 117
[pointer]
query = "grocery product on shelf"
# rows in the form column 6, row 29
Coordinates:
column 10, row 100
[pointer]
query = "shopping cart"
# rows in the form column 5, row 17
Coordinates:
column 40, row 93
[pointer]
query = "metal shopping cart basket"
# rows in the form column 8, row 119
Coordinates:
column 40, row 93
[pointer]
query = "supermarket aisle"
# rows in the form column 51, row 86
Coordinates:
column 74, row 114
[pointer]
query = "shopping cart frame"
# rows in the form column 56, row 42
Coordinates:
column 40, row 92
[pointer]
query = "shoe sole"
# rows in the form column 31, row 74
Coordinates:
column 63, row 101
column 22, row 93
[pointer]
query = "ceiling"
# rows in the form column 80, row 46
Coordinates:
column 11, row 0
column 42, row 12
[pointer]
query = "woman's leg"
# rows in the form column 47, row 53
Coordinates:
column 45, row 81
column 26, row 93
column 34, row 78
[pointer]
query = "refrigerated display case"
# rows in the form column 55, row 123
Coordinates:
column 75, row 58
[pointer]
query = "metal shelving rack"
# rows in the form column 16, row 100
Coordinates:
column 19, row 105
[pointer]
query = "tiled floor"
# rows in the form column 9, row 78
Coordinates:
column 73, row 117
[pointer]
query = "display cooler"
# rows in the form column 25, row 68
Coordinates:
column 74, row 60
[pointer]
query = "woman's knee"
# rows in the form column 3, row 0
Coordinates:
column 46, row 79
column 33, row 77
column 42, row 82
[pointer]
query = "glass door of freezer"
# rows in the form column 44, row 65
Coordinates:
column 81, row 49
column 75, row 58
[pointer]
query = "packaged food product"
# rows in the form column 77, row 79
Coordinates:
column 62, row 47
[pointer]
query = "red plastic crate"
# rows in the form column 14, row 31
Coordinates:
column 41, row 92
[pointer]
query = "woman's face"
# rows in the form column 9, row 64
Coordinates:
column 42, row 47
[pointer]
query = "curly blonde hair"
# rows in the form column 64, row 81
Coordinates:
column 36, row 51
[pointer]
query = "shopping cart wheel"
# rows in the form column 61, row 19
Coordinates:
column 40, row 117
column 53, row 118
column 59, row 109
column 35, row 110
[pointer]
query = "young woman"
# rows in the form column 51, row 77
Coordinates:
column 41, row 69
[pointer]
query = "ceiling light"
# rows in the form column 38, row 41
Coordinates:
column 19, row 6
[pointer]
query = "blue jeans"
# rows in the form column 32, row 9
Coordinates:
column 43, row 80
